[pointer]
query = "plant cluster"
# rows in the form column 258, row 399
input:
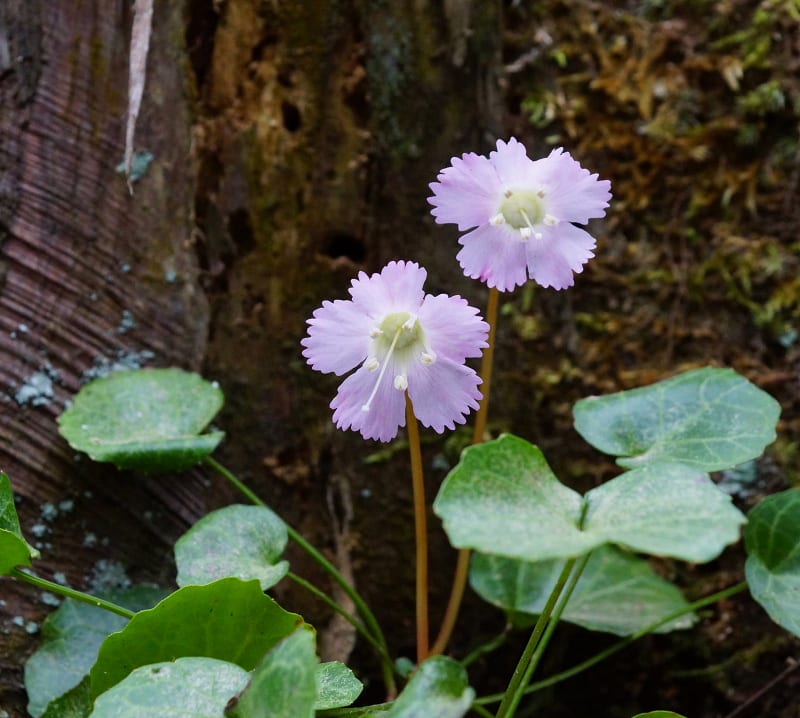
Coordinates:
column 219, row 645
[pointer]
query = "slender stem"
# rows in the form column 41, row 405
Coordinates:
column 624, row 643
column 462, row 564
column 480, row 710
column 563, row 600
column 236, row 481
column 485, row 648
column 420, row 531
column 71, row 593
column 516, row 686
column 328, row 601
column 487, row 364
column 454, row 604
column 363, row 609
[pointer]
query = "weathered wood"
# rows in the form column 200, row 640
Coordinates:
column 91, row 275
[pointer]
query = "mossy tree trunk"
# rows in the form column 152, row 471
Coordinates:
column 292, row 145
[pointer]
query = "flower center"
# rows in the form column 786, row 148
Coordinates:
column 399, row 334
column 400, row 329
column 524, row 210
column 523, row 207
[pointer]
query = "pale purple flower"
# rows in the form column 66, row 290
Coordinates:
column 402, row 340
column 522, row 212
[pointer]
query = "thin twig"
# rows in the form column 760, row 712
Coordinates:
column 793, row 666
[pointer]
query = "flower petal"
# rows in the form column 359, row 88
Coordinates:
column 573, row 195
column 562, row 251
column 513, row 165
column 495, row 255
column 387, row 410
column 453, row 328
column 338, row 337
column 397, row 287
column 467, row 193
column 443, row 393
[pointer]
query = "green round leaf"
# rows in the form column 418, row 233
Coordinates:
column 772, row 539
column 284, row 685
column 666, row 510
column 187, row 687
column 617, row 592
column 337, row 686
column 231, row 620
column 241, row 541
column 711, row 419
column 502, row 498
column 14, row 549
column 71, row 637
column 658, row 714
column 439, row 689
column 145, row 419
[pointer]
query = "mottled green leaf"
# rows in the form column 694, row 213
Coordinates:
column 439, row 689
column 711, row 419
column 146, row 419
column 337, row 686
column 666, row 510
column 230, row 619
column 14, row 549
column 284, row 685
column 772, row 539
column 241, row 541
column 188, row 687
column 617, row 592
column 71, row 637
column 502, row 499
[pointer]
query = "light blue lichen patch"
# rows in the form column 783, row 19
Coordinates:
column 122, row 360
column 50, row 599
column 139, row 165
column 38, row 389
column 127, row 323
column 108, row 576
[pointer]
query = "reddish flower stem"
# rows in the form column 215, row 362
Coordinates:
column 462, row 564
column 421, row 531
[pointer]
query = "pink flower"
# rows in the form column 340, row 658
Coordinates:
column 523, row 213
column 402, row 340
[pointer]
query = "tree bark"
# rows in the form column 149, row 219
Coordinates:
column 292, row 146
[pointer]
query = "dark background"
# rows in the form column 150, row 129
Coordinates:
column 292, row 146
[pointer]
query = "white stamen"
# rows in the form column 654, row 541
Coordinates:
column 538, row 235
column 401, row 382
column 549, row 220
column 428, row 358
column 366, row 407
column 409, row 323
column 498, row 219
column 375, row 332
column 372, row 363
column 525, row 232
